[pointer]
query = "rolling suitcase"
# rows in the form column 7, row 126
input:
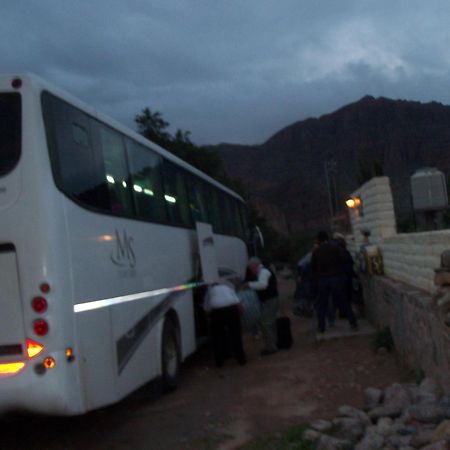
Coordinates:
column 284, row 335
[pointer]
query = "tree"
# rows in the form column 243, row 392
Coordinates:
column 152, row 126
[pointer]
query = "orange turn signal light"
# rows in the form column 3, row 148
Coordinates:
column 49, row 362
column 33, row 348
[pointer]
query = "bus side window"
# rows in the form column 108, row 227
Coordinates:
column 76, row 167
column 116, row 171
column 214, row 210
column 175, row 195
column 197, row 203
column 145, row 168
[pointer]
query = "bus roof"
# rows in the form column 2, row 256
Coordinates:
column 39, row 84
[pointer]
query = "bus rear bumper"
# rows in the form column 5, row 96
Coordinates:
column 28, row 391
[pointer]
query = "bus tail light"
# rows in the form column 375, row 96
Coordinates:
column 16, row 83
column 39, row 304
column 45, row 288
column 12, row 368
column 40, row 327
column 33, row 348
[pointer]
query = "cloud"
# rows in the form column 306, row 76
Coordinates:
column 231, row 71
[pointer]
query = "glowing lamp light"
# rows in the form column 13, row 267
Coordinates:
column 105, row 238
column 355, row 203
column 7, row 369
column 33, row 348
column 170, row 199
column 49, row 362
column 110, row 179
column 137, row 188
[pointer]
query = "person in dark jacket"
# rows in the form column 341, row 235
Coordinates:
column 266, row 288
column 348, row 273
column 327, row 263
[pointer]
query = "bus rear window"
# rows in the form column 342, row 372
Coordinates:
column 10, row 131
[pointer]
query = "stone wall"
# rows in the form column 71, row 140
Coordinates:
column 419, row 323
column 411, row 258
column 377, row 212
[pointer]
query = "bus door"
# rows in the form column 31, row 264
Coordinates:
column 207, row 252
column 210, row 274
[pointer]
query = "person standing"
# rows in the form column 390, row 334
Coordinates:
column 266, row 288
column 223, row 305
column 348, row 272
column 327, row 264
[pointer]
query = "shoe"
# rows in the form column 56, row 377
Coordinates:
column 267, row 352
column 354, row 327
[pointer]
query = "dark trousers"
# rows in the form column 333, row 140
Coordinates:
column 226, row 334
column 333, row 287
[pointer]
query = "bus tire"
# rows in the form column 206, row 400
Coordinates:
column 170, row 356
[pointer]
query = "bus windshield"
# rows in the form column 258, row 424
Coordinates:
column 10, row 131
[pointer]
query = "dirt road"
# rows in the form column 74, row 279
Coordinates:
column 223, row 409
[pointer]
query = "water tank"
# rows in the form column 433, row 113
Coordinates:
column 429, row 190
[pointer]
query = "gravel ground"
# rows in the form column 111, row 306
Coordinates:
column 226, row 408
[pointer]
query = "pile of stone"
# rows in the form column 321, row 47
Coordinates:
column 402, row 416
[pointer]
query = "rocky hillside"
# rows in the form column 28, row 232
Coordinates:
column 286, row 176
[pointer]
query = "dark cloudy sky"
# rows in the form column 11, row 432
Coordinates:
column 231, row 70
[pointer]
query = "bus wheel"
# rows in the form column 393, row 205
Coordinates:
column 170, row 354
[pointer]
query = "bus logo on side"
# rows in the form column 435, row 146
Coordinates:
column 123, row 255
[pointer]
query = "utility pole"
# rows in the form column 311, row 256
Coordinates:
column 330, row 167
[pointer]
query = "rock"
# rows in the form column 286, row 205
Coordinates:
column 371, row 441
column 355, row 413
column 385, row 426
column 441, row 445
column 427, row 412
column 311, row 435
column 422, row 438
column 321, row 425
column 405, row 418
column 397, row 395
column 445, row 401
column 372, row 398
column 426, row 397
column 405, row 430
column 332, row 443
column 397, row 441
column 428, row 386
column 349, row 428
column 442, row 432
column 391, row 411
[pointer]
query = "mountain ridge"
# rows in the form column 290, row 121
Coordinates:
column 286, row 176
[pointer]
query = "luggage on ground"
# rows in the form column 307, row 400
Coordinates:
column 284, row 335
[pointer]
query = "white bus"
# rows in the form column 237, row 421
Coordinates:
column 99, row 253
